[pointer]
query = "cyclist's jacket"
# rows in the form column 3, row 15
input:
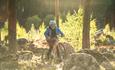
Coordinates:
column 53, row 32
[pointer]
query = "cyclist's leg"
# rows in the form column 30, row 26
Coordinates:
column 49, row 52
column 50, row 48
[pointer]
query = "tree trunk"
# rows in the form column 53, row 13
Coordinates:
column 112, row 21
column 86, row 26
column 12, row 25
column 0, row 35
column 57, row 11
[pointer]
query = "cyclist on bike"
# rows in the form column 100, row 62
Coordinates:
column 52, row 32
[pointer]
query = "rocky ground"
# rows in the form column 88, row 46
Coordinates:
column 34, row 58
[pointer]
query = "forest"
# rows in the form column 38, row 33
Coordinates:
column 86, row 40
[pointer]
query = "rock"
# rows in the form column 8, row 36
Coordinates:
column 22, row 41
column 24, row 55
column 81, row 61
column 22, row 44
column 97, row 55
column 107, row 65
column 109, row 55
column 9, row 65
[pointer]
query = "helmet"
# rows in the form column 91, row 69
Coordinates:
column 52, row 22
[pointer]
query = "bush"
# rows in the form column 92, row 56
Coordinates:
column 72, row 29
column 32, row 20
column 36, row 21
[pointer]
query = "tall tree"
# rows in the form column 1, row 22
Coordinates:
column 12, row 25
column 0, row 35
column 57, row 11
column 86, row 25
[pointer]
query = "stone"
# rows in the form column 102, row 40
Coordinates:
column 107, row 65
column 24, row 55
column 97, row 55
column 81, row 61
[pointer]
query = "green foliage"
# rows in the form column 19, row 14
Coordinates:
column 93, row 29
column 42, row 30
column 107, row 32
column 31, row 35
column 102, row 38
column 32, row 20
column 72, row 29
column 28, row 24
column 21, row 32
column 36, row 21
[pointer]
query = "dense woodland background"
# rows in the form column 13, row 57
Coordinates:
column 78, row 19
